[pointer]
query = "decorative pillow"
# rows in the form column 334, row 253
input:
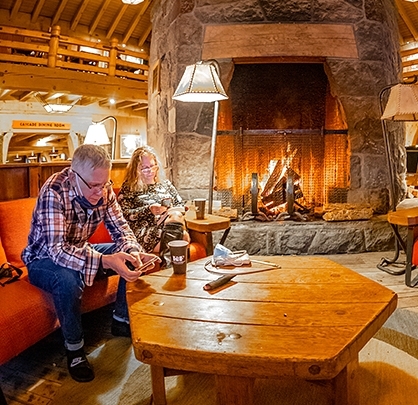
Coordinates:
column 15, row 219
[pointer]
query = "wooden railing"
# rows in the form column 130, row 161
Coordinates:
column 58, row 51
column 409, row 55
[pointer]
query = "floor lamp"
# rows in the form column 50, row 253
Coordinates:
column 97, row 134
column 201, row 83
column 402, row 105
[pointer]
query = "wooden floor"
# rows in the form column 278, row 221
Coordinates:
column 39, row 375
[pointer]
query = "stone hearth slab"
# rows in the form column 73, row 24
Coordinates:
column 317, row 237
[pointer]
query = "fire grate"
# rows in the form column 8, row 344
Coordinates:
column 317, row 158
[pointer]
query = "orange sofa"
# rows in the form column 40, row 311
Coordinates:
column 27, row 313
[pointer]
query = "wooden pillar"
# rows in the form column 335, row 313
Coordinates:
column 113, row 55
column 53, row 46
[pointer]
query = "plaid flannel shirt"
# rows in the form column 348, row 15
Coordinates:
column 60, row 228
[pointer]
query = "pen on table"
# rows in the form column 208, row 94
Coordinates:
column 267, row 263
column 218, row 282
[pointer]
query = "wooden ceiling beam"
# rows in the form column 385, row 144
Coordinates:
column 145, row 35
column 37, row 11
column 125, row 104
column 87, row 100
column 15, row 9
column 98, row 17
column 135, row 22
column 26, row 95
column 140, row 107
column 78, row 15
column 116, row 21
column 407, row 20
column 57, row 15
column 104, row 103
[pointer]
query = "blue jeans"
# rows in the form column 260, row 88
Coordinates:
column 66, row 287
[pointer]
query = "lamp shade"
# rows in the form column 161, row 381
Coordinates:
column 402, row 103
column 200, row 83
column 97, row 135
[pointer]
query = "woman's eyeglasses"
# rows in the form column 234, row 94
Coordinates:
column 152, row 168
column 95, row 186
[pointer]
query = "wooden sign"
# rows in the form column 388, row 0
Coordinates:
column 18, row 124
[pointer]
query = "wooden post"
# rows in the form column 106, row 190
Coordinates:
column 113, row 55
column 53, row 46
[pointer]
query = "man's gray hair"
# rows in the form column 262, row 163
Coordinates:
column 91, row 157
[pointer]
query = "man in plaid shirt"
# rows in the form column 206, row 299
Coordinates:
column 70, row 207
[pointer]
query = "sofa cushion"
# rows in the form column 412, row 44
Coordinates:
column 27, row 315
column 15, row 219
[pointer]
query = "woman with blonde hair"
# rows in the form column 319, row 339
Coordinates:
column 150, row 203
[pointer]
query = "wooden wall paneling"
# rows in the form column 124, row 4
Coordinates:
column 25, row 180
column 14, row 180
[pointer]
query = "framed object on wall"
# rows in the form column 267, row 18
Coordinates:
column 128, row 143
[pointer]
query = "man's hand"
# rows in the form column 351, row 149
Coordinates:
column 148, row 261
column 117, row 262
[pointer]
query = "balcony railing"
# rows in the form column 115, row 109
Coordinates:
column 58, row 51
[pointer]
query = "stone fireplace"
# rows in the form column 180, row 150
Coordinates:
column 318, row 68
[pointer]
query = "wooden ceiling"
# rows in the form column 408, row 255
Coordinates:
column 94, row 19
column 103, row 20
column 89, row 20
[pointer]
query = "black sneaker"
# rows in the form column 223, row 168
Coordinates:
column 120, row 328
column 78, row 366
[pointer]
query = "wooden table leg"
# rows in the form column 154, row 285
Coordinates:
column 158, row 385
column 234, row 390
column 344, row 386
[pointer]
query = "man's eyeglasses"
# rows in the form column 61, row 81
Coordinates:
column 95, row 186
column 152, row 168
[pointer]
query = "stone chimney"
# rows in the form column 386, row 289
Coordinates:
column 355, row 40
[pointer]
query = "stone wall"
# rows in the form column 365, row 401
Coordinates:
column 181, row 131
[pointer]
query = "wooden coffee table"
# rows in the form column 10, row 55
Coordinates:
column 307, row 320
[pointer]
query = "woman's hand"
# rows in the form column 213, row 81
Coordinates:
column 157, row 209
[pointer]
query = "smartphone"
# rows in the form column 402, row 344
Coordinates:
column 145, row 267
column 148, row 265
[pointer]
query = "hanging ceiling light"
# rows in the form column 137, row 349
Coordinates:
column 132, row 2
column 55, row 107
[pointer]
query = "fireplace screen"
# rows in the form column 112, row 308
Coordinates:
column 316, row 161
